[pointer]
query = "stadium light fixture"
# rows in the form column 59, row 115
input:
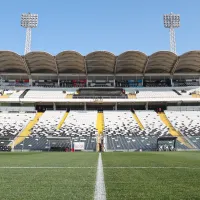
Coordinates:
column 172, row 21
column 28, row 21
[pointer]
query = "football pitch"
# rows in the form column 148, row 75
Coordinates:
column 72, row 176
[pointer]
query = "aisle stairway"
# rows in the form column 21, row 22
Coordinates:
column 100, row 128
column 138, row 121
column 173, row 131
column 62, row 120
column 131, row 96
column 26, row 131
column 196, row 95
column 69, row 96
column 100, row 122
column 24, row 93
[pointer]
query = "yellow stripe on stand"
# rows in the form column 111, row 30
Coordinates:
column 138, row 121
column 26, row 131
column 62, row 120
column 173, row 131
column 100, row 123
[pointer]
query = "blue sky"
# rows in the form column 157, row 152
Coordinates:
column 89, row 25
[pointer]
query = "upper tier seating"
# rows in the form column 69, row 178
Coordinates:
column 11, row 124
column 16, row 94
column 45, row 94
column 157, row 94
column 187, row 122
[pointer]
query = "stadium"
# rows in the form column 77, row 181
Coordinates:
column 99, row 126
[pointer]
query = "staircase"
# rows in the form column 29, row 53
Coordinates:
column 138, row 121
column 69, row 96
column 100, row 128
column 26, row 131
column 4, row 96
column 23, row 94
column 131, row 96
column 173, row 131
column 100, row 122
column 196, row 95
column 62, row 120
column 178, row 93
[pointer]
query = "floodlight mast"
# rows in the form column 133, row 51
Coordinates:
column 28, row 21
column 172, row 21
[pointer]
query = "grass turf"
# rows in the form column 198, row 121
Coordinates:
column 43, row 184
column 154, row 183
column 79, row 183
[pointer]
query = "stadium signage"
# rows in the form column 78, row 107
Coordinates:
column 79, row 145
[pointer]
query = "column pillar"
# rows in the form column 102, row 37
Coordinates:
column 54, row 106
column 147, row 106
column 85, row 107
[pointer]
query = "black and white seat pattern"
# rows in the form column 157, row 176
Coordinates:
column 188, row 123
column 11, row 124
column 80, row 126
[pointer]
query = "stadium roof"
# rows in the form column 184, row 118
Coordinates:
column 104, row 62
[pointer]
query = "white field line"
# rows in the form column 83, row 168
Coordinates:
column 71, row 167
column 100, row 191
column 151, row 167
column 35, row 167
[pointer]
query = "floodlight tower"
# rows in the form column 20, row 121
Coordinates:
column 172, row 21
column 28, row 21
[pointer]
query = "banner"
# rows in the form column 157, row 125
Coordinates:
column 79, row 145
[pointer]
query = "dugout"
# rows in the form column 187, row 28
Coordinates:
column 59, row 143
column 166, row 143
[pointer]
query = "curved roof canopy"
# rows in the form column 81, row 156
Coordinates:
column 189, row 62
column 11, row 62
column 104, row 62
column 161, row 62
column 40, row 62
column 70, row 62
column 131, row 62
column 100, row 62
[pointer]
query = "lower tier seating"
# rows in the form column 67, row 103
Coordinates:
column 121, row 130
column 79, row 126
column 123, row 133
column 11, row 124
column 188, row 123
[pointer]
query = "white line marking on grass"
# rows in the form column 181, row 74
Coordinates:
column 47, row 167
column 100, row 191
column 35, row 167
column 151, row 167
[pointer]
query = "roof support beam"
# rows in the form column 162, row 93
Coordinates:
column 26, row 66
column 145, row 67
column 174, row 66
column 115, row 66
column 57, row 71
column 85, row 65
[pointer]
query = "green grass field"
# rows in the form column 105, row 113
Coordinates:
column 72, row 176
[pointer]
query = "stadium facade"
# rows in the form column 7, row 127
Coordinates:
column 125, row 102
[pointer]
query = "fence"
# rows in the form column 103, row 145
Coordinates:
column 110, row 143
column 36, row 143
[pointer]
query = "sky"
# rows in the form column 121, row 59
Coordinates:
column 90, row 25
